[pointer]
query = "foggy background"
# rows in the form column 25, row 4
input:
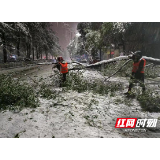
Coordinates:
column 65, row 31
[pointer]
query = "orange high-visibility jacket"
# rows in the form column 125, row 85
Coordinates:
column 136, row 66
column 64, row 68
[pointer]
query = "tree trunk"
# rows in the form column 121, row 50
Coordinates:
column 46, row 54
column 37, row 54
column 4, row 48
column 28, row 51
column 18, row 46
column 100, row 54
column 110, row 51
column 33, row 53
column 29, row 46
column 41, row 55
column 123, row 43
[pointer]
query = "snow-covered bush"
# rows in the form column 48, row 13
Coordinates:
column 152, row 71
column 150, row 101
column 75, row 81
column 15, row 93
column 46, row 92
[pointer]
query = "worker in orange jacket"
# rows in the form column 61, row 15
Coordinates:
column 62, row 66
column 137, row 71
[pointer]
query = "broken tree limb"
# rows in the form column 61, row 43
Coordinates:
column 107, row 61
column 76, row 68
column 152, row 60
column 32, row 79
column 149, row 65
column 148, row 59
column 99, row 63
column 78, row 63
column 118, row 69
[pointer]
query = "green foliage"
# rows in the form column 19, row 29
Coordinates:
column 83, row 27
column 111, row 68
column 150, row 71
column 75, row 81
column 150, row 101
column 14, row 93
column 144, row 36
column 98, row 35
column 92, row 121
column 46, row 92
column 93, row 40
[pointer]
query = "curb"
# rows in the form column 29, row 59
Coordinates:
column 17, row 70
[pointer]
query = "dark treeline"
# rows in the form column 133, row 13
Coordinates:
column 132, row 36
column 28, row 38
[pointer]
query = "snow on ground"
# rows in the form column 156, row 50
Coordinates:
column 74, row 114
column 44, row 63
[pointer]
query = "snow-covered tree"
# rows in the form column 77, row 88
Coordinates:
column 30, row 37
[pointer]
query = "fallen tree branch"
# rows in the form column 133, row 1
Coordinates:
column 76, row 68
column 107, row 61
column 32, row 79
column 155, row 61
column 78, row 63
column 149, row 65
column 118, row 69
column 149, row 59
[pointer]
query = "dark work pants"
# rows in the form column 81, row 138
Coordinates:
column 137, row 78
column 63, row 78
